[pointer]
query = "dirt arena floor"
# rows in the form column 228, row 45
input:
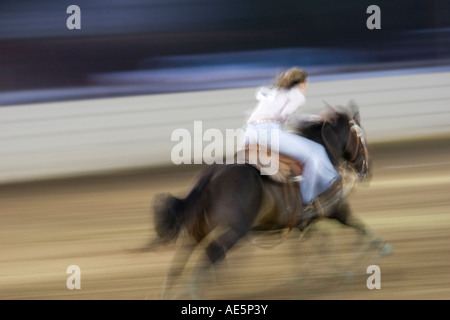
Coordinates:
column 96, row 222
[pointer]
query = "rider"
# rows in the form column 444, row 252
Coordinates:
column 275, row 107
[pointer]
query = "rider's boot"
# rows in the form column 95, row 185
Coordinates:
column 330, row 198
column 325, row 202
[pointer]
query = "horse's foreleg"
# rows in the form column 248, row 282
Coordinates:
column 344, row 215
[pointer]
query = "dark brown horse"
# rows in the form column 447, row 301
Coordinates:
column 230, row 201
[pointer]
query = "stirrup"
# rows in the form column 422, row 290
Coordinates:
column 327, row 202
column 297, row 178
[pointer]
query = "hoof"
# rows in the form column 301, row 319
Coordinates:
column 349, row 277
column 375, row 243
column 385, row 250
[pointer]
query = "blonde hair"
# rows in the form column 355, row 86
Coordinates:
column 291, row 78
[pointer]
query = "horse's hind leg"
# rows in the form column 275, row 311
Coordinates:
column 177, row 266
column 216, row 251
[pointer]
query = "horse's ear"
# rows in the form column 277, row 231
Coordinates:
column 354, row 111
column 331, row 140
column 329, row 113
column 327, row 105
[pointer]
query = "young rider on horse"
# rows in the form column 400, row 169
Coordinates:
column 275, row 107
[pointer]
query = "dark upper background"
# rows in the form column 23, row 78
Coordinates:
column 37, row 51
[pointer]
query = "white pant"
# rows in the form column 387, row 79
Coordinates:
column 318, row 171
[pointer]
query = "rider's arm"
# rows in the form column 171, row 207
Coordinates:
column 293, row 100
column 309, row 117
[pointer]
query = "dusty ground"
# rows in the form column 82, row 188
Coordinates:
column 93, row 222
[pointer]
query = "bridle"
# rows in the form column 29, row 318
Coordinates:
column 361, row 152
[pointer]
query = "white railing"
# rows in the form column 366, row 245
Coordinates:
column 79, row 137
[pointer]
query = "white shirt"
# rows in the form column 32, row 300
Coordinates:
column 276, row 104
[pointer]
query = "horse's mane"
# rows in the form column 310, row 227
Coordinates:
column 310, row 129
column 313, row 129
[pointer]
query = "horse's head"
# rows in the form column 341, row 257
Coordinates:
column 344, row 138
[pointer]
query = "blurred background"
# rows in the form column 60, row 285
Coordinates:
column 177, row 45
column 86, row 118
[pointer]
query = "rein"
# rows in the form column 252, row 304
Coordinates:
column 358, row 133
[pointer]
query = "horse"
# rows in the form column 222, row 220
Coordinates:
column 230, row 201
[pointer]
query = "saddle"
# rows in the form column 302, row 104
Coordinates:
column 283, row 167
column 286, row 169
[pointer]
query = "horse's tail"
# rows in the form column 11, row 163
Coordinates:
column 172, row 213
